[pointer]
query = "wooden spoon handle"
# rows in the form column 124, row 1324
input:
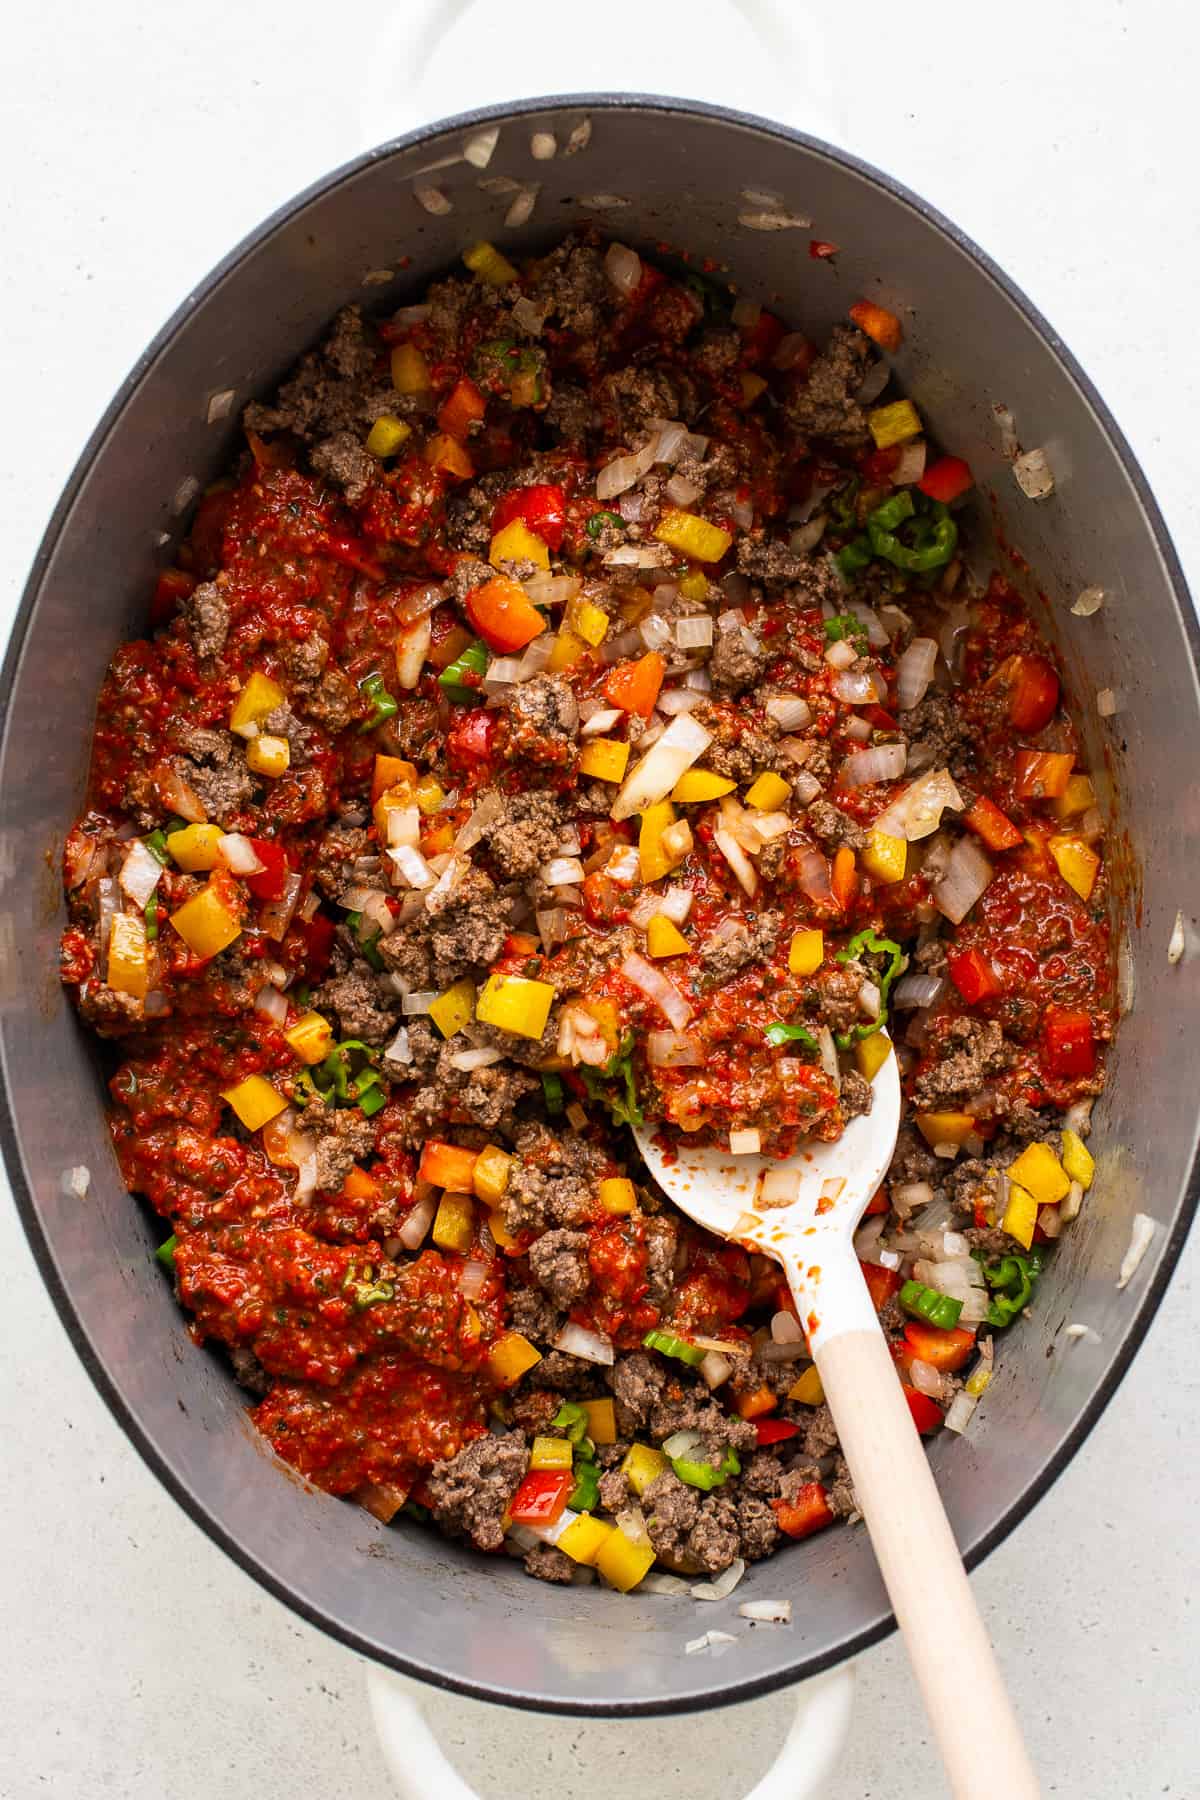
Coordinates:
column 947, row 1642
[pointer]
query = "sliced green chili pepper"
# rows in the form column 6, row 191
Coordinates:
column 151, row 916
column 552, row 1092
column 893, row 512
column 599, row 520
column 369, row 946
column 779, row 1033
column 384, row 705
column 165, row 1254
column 372, row 1101
column 366, row 1291
column 1012, row 1280
column 845, row 625
column 572, row 1419
column 156, row 844
column 840, row 506
column 703, row 1474
column 460, row 679
column 667, row 1344
column 929, row 1304
column 854, row 556
column 936, row 537
column 586, row 1492
column 868, row 941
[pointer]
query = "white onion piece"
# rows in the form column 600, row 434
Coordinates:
column 561, row 871
column 858, row 730
column 882, row 762
column 475, row 1056
column 472, row 1278
column 789, row 711
column 715, row 1369
column 399, row 1050
column 1034, row 476
column 624, row 471
column 421, row 601
column 624, row 865
column 806, row 537
column 692, row 633
column 859, row 687
column 239, row 855
column 747, row 1142
column 785, row 1328
column 1090, row 601
column 271, row 1004
column 918, row 989
column 869, row 619
column 812, row 874
column 723, row 1585
column 666, row 1586
column 780, row 1186
column 417, row 1005
column 767, row 1612
column 840, row 654
column 276, row 915
column 600, row 722
column 925, row 1378
column 591, row 1346
column 737, row 859
column 681, row 1443
column 968, row 873
column 653, row 777
column 412, row 647
column 657, row 988
column 958, row 1415
column 654, row 631
column 1139, row 1243
column 417, row 1223
column 485, row 815
column 638, row 556
column 917, row 812
column 623, row 267
column 827, row 1050
column 682, row 492
column 178, row 796
column 552, row 590
column 911, row 1196
column 673, row 1050
column 914, row 672
column 502, row 672
column 672, row 440
column 678, row 700
column 911, row 465
column 872, row 383
column 676, row 903
column 140, row 874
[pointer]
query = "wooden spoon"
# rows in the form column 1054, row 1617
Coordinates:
column 804, row 1213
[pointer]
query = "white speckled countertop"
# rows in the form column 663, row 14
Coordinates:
column 140, row 142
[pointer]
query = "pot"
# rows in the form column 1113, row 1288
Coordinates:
column 732, row 188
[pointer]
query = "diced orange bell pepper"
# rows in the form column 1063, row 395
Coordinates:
column 504, row 615
column 447, row 456
column 808, row 1512
column 510, row 1357
column 945, row 1127
column 945, row 1351
column 880, row 325
column 448, row 1166
column 1042, row 774
column 882, row 1283
column 358, row 1185
column 758, row 1400
column 987, row 821
column 1032, row 687
column 635, row 686
column 463, row 407
column 844, row 877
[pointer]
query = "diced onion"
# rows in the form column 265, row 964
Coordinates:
column 882, row 762
column 918, row 989
column 599, row 722
column 679, row 700
column 1090, row 601
column 654, row 631
column 552, row 590
column 417, row 1223
column 780, row 1187
column 917, row 812
column 872, row 383
column 140, row 874
column 968, row 873
column 552, row 927
column 859, row 687
column 914, row 672
column 715, row 1369
column 767, row 1612
column 692, row 633
column 412, row 647
column 785, row 1328
column 1034, row 476
column 1007, row 428
column 239, row 854
column 737, row 859
column 177, row 795
column 591, row 1346
column 747, row 1142
column 673, row 1050
column 806, row 537
column 681, row 1443
column 624, row 471
column 1108, row 702
column 271, row 1004
column 411, row 866
column 475, row 1056
column 419, row 602
column 416, row 1006
column 1139, row 1243
column 399, row 1050
column 682, row 492
column 502, row 672
column 790, row 711
column 676, row 903
column 841, row 654
column 485, row 815
column 925, row 1378
column 666, row 1586
column 656, row 773
column 858, row 730
column 276, row 915
column 638, row 556
column 867, row 617
column 658, row 988
column 958, row 1415
column 561, row 871
column 623, row 267
column 911, row 465
column 673, row 440
column 812, row 875
column 723, row 1585
column 472, row 1278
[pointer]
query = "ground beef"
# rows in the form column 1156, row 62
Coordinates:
column 840, row 1493
column 972, row 1050
column 558, row 1262
column 758, row 1528
column 486, row 1097
column 570, row 285
column 543, row 721
column 347, row 463
column 913, row 1160
column 992, row 1241
column 762, row 1474
column 528, row 833
column 215, row 767
column 553, row 1180
column 335, row 388
column 614, row 1490
column 532, row 1314
column 569, row 413
column 738, row 661
column 690, row 1533
column 739, row 750
column 567, row 1374
column 304, row 658
column 662, row 1237
column 205, row 612
column 820, row 1434
column 823, row 407
column 831, row 826
column 363, row 1007
column 407, row 953
column 467, row 926
column 855, row 1095
column 837, row 986
column 944, row 732
column 334, row 701
column 471, row 1493
column 349, row 1138
column 736, row 942
column 468, row 573
column 248, row 1372
column 282, row 722
column 415, row 733
column 769, row 561
column 549, row 1563
column 637, row 1383
column 693, row 1409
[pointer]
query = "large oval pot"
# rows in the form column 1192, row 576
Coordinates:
column 681, row 173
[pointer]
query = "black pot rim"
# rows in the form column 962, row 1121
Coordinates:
column 799, row 1667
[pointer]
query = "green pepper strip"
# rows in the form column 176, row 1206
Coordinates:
column 928, row 1304
column 369, row 946
column 552, row 1092
column 1013, row 1278
column 779, row 1033
column 845, row 625
column 867, row 940
column 165, row 1254
column 156, row 844
column 384, row 704
column 703, row 1474
column 841, row 505
column 599, row 520
column 586, row 1492
column 151, row 916
column 571, row 1418
column 414, row 1510
column 667, row 1344
column 893, row 512
column 855, row 556
column 625, row 1109
column 460, row 679
column 937, row 538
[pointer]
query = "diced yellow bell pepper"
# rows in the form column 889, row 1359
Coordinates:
column 885, row 858
column 510, row 1357
column 622, row 1562
column 515, row 542
column 128, row 964
column 654, row 858
column 584, row 1538
column 454, row 1223
column 607, row 1018
column 551, row 1453
column 493, row 1168
column 410, row 371
column 769, row 793
column 694, row 585
column 602, row 1420
column 642, row 1464
column 945, row 1127
column 483, row 259
column 499, row 1230
column 696, row 785
column 1077, row 1159
column 515, row 1004
column 808, row 1390
column 196, row 847
column 566, row 650
column 692, row 536
column 1075, row 798
column 259, row 697
column 1077, row 863
column 267, row 755
column 617, row 1194
column 452, row 1010
column 752, row 387
column 665, row 939
column 1020, row 1215
column 870, row 1054
column 978, row 1382
column 604, row 759
column 311, row 1037
column 386, row 436
column 429, row 795
column 806, row 952
column 1038, row 1169
column 206, row 924
column 590, row 621
column 255, row 1101
column 894, row 424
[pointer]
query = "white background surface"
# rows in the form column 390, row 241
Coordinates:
column 139, row 143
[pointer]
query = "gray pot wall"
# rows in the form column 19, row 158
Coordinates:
column 404, row 1596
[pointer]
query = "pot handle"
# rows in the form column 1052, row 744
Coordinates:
column 807, row 1760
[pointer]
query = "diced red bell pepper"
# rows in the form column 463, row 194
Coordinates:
column 774, row 1431
column 974, row 976
column 878, row 1203
column 542, row 506
column 819, row 249
column 318, row 938
column 1068, row 1043
column 634, row 686
column 355, row 555
column 1032, row 688
column 504, row 615
column 763, row 338
column 927, row 1415
column 172, row 586
column 882, row 326
column 267, row 883
column 470, row 740
column 541, row 1497
column 880, row 718
column 807, row 1513
column 882, row 1284
column 946, row 479
column 995, row 828
column 878, row 466
column 1042, row 774
column 945, row 1351
column 463, row 406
